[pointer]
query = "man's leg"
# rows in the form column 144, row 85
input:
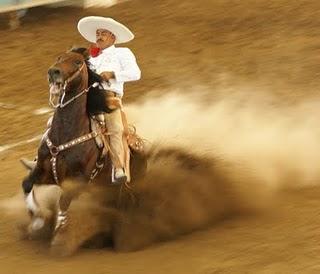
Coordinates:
column 115, row 130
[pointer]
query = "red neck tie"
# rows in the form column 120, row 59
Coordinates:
column 94, row 51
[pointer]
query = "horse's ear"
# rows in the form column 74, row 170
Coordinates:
column 83, row 51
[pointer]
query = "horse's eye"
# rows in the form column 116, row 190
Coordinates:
column 78, row 62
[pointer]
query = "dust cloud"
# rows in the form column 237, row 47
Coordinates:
column 210, row 158
column 262, row 137
column 230, row 155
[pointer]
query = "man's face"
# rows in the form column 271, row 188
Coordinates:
column 104, row 38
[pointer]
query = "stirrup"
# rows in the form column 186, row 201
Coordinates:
column 118, row 180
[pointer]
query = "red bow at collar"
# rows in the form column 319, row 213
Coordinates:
column 94, row 51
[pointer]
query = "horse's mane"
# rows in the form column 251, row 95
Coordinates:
column 96, row 101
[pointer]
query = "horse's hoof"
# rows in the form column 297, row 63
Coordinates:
column 60, row 251
column 60, row 248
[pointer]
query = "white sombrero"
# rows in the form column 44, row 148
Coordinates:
column 87, row 27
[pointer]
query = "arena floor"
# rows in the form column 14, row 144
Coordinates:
column 257, row 49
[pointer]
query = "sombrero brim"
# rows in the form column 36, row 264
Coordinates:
column 87, row 27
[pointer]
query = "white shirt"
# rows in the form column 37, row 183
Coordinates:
column 119, row 60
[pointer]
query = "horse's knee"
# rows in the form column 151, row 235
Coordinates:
column 27, row 185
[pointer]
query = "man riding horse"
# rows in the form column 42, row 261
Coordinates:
column 116, row 66
column 75, row 147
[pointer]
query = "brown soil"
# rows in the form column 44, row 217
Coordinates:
column 272, row 45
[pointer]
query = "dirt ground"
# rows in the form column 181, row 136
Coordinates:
column 222, row 45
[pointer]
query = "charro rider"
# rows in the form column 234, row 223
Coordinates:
column 116, row 65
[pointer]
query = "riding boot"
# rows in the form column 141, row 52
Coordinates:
column 120, row 176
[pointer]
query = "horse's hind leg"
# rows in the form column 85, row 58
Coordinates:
column 84, row 222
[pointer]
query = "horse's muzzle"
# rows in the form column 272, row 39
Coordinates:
column 55, row 75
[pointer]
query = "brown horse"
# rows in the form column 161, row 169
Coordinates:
column 69, row 150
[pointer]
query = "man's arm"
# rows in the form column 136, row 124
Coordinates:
column 129, row 68
column 107, row 75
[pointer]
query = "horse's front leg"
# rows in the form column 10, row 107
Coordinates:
column 70, row 191
column 84, row 222
column 39, row 200
column 35, row 177
column 72, row 188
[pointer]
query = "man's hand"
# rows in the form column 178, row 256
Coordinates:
column 107, row 75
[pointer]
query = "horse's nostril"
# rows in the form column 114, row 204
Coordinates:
column 54, row 73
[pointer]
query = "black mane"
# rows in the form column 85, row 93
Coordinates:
column 96, row 100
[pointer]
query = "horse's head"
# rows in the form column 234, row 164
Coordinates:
column 68, row 75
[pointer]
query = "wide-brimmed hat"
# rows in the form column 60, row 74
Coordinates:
column 88, row 26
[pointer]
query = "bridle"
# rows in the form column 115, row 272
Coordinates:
column 62, row 104
column 55, row 150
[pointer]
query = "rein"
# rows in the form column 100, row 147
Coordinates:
column 73, row 76
column 62, row 105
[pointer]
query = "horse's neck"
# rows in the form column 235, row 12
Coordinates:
column 70, row 122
